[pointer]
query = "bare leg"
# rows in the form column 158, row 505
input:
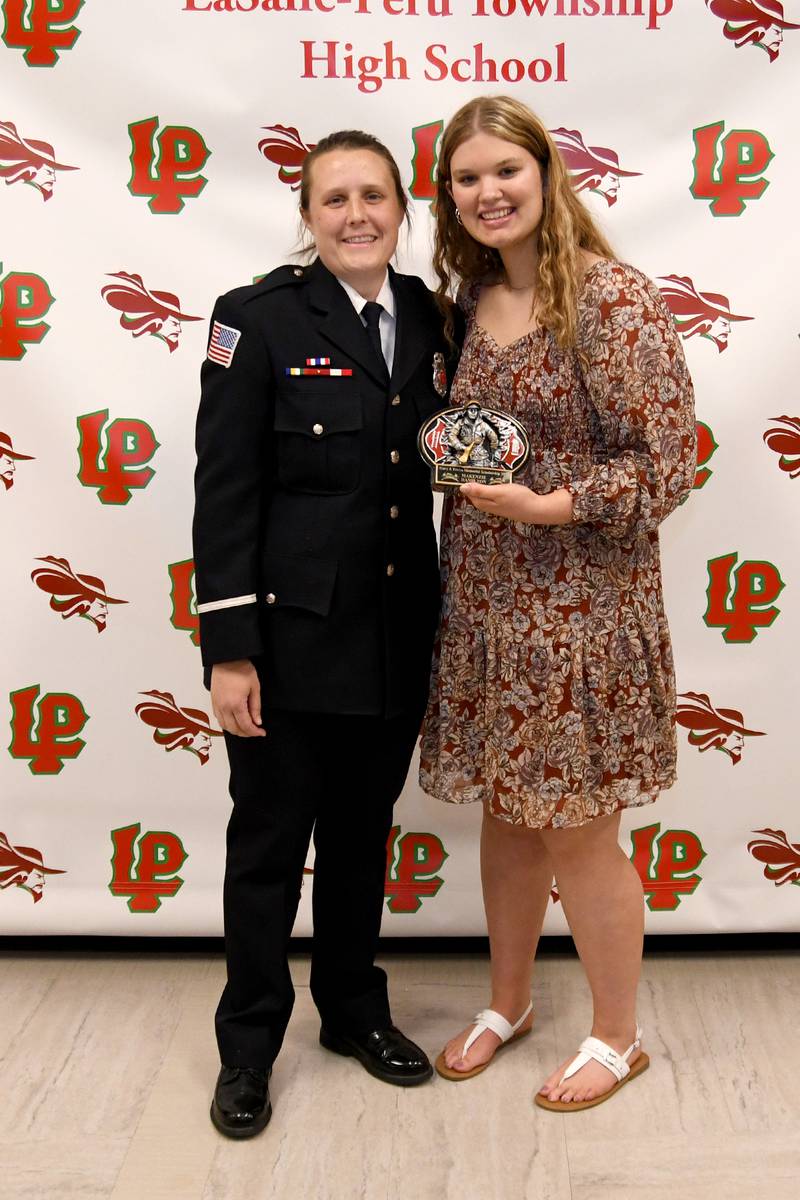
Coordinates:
column 603, row 903
column 516, row 873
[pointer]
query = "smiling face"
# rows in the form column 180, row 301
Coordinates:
column 497, row 188
column 354, row 216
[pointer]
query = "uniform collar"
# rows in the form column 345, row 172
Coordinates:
column 385, row 296
column 340, row 323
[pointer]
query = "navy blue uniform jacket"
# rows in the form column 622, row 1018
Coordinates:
column 314, row 548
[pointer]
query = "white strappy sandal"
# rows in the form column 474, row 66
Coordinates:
column 617, row 1064
column 487, row 1019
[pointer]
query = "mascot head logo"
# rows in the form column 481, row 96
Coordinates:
column 143, row 311
column 74, row 595
column 286, row 149
column 177, row 728
column 785, row 441
column 698, row 314
column 780, row 856
column 8, row 461
column 593, row 168
column 22, row 866
column 713, row 728
column 753, row 23
column 23, row 160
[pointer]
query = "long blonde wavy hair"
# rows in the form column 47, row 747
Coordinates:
column 566, row 226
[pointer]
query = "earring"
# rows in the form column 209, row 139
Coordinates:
column 458, row 217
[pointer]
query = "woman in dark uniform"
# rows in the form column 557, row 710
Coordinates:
column 317, row 587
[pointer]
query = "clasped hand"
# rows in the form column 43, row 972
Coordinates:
column 236, row 698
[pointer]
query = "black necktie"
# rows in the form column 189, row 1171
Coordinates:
column 371, row 312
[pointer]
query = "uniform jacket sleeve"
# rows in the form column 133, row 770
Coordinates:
column 230, row 490
column 641, row 393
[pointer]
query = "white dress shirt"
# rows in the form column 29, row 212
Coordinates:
column 388, row 318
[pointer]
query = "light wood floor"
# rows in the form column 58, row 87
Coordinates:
column 107, row 1065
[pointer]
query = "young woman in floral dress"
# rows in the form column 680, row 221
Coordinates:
column 553, row 693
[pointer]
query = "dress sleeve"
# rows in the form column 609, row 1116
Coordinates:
column 231, row 442
column 467, row 297
column 639, row 387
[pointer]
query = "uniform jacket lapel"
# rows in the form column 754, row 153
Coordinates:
column 339, row 322
column 412, row 335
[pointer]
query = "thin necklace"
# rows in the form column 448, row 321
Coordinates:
column 526, row 287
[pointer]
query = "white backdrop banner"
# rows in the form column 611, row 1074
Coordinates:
column 149, row 160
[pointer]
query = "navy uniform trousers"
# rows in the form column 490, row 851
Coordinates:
column 315, row 557
column 340, row 776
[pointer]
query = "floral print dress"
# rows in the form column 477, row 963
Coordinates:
column 553, row 691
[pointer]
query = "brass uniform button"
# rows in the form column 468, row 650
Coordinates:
column 394, row 512
column 390, row 569
column 395, row 400
column 395, row 456
column 318, row 429
column 271, row 598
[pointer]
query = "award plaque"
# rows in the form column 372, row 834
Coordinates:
column 472, row 444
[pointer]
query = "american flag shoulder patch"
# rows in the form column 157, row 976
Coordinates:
column 224, row 340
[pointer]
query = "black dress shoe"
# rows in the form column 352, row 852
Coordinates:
column 241, row 1106
column 385, row 1053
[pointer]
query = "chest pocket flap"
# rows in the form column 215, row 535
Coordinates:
column 318, row 414
column 318, row 441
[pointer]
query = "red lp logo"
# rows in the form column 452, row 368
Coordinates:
column 666, row 864
column 184, row 601
column 145, row 870
column 24, row 300
column 166, row 166
column 38, row 28
column 119, row 467
column 743, row 607
column 727, row 169
column 46, row 733
column 411, row 865
column 705, row 449
column 426, row 145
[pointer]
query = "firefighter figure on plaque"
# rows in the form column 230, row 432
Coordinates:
column 472, row 444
